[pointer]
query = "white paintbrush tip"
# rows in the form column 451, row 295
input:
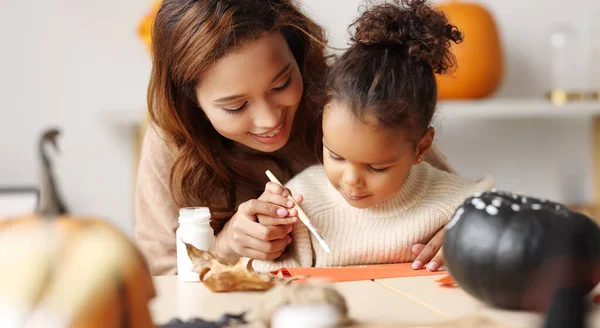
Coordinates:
column 324, row 245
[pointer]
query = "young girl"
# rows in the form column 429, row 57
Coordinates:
column 381, row 197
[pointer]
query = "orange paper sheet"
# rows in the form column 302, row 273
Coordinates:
column 359, row 272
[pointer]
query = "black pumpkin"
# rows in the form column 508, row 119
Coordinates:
column 515, row 252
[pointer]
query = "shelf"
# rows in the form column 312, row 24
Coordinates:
column 120, row 117
column 515, row 108
column 496, row 108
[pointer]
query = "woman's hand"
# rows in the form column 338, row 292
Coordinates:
column 430, row 255
column 244, row 235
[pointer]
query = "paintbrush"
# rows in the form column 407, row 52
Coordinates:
column 301, row 215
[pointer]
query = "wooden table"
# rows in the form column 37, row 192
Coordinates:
column 410, row 301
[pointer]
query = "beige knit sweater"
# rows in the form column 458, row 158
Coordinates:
column 381, row 234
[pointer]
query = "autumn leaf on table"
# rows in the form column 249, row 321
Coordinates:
column 218, row 276
column 202, row 259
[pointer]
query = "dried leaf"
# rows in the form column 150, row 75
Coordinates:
column 218, row 276
column 249, row 265
column 203, row 272
column 199, row 258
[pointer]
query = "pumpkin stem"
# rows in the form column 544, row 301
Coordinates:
column 50, row 202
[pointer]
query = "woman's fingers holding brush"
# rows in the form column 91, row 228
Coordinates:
column 261, row 242
column 232, row 242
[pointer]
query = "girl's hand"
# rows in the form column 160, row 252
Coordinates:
column 431, row 255
column 277, row 195
column 244, row 236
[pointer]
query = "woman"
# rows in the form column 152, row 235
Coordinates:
column 234, row 91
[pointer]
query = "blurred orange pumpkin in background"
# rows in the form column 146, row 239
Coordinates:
column 71, row 271
column 145, row 25
column 479, row 57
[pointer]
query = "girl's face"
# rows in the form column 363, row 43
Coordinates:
column 251, row 95
column 365, row 163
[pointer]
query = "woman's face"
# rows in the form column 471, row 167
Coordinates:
column 251, row 95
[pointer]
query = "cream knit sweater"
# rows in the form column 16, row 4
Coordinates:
column 381, row 234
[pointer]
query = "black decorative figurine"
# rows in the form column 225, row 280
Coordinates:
column 50, row 202
column 522, row 253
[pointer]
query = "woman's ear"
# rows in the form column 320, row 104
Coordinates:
column 424, row 144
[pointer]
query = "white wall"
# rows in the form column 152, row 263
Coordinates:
column 64, row 61
column 547, row 158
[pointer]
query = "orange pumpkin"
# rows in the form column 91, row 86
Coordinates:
column 144, row 29
column 479, row 57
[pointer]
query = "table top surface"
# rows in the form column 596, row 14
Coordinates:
column 408, row 301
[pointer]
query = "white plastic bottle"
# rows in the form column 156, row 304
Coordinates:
column 194, row 228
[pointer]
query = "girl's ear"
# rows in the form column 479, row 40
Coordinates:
column 424, row 144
